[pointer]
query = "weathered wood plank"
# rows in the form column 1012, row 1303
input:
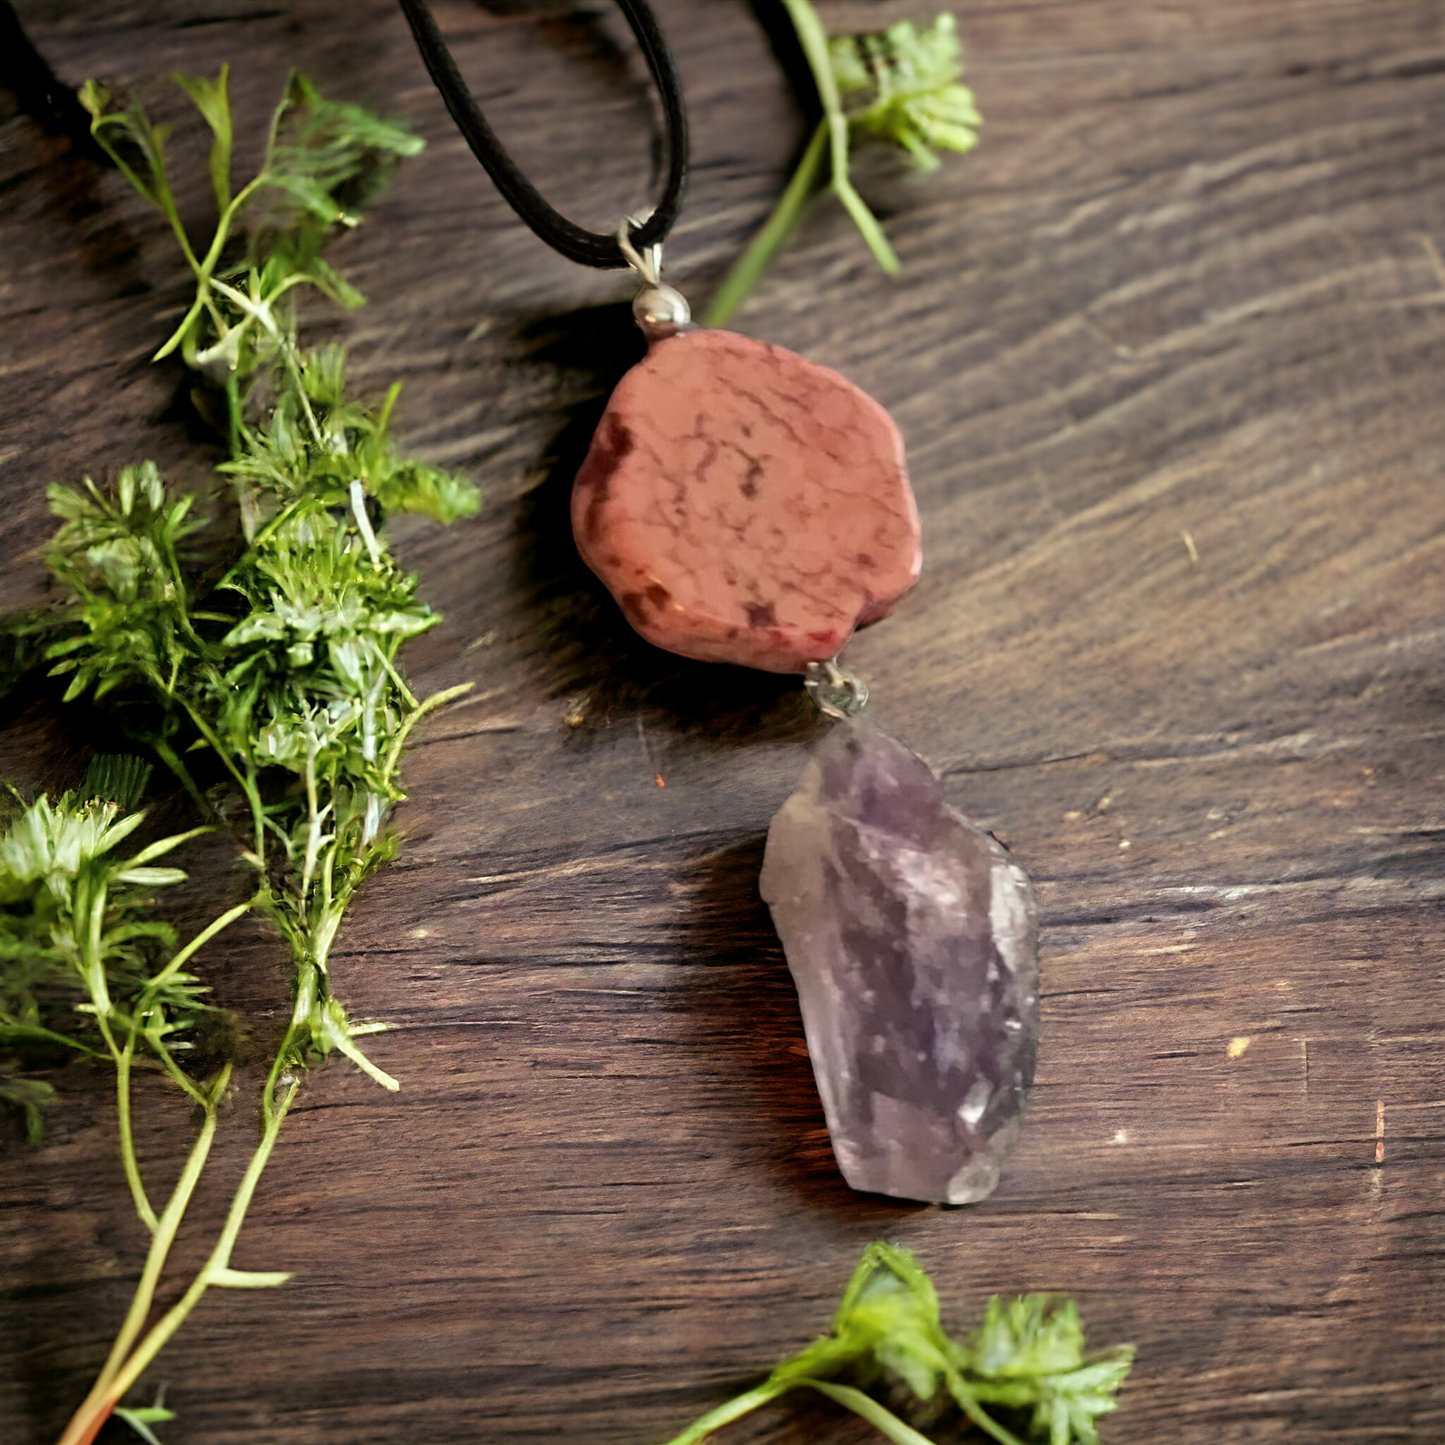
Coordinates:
column 1167, row 352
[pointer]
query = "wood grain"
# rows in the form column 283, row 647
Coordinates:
column 1167, row 351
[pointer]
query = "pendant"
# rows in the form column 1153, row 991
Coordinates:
column 912, row 937
column 745, row 505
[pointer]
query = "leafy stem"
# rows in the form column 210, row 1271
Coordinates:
column 899, row 86
column 814, row 40
column 97, row 1406
column 128, row 1360
column 165, row 1231
column 75, row 914
column 282, row 678
column 1027, row 1355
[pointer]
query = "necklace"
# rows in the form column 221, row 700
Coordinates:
column 745, row 505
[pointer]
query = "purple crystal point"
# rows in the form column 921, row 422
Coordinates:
column 912, row 936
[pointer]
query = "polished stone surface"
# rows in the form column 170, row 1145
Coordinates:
column 912, row 937
column 744, row 504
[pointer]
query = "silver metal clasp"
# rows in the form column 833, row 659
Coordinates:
column 660, row 310
column 837, row 694
column 646, row 262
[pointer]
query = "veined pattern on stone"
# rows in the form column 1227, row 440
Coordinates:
column 912, row 936
column 746, row 505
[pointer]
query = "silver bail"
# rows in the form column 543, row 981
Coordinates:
column 660, row 310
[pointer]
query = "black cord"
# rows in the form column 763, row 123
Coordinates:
column 588, row 248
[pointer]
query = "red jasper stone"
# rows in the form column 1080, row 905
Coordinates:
column 746, row 505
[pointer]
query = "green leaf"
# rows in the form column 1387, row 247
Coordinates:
column 327, row 161
column 95, row 98
column 333, row 1031
column 151, row 877
column 902, row 84
column 1034, row 1334
column 13, row 1033
column 30, row 1096
column 141, row 1420
column 311, row 194
column 418, row 487
column 119, row 778
column 326, row 278
column 162, row 846
column 214, row 103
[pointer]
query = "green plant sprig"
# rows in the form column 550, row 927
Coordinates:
column 898, row 85
column 1028, row 1356
column 284, row 672
column 289, row 665
column 323, row 161
column 78, row 933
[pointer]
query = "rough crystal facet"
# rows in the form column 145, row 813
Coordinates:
column 912, row 937
column 744, row 504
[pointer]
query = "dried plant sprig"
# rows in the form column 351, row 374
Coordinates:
column 1027, row 1356
column 283, row 672
column 901, row 87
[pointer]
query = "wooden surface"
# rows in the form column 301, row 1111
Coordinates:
column 1168, row 354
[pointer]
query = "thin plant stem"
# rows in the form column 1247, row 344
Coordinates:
column 90, row 906
column 293, row 370
column 85, row 1418
column 178, row 1076
column 35, row 1031
column 832, row 137
column 438, row 699
column 127, row 1138
column 104, row 1397
column 814, row 40
column 879, row 1416
column 704, row 1425
column 203, row 268
column 172, row 760
column 234, row 422
column 123, row 1058
column 184, row 955
column 215, row 1268
column 313, row 826
column 975, row 1412
column 867, row 224
column 168, row 1226
column 743, row 276
column 248, row 785
column 408, row 696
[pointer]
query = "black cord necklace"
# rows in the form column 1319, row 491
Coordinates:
column 587, row 248
column 745, row 505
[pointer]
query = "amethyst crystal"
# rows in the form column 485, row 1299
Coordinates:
column 912, row 937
